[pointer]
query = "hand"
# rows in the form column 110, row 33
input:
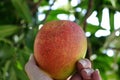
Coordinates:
column 34, row 72
column 85, row 72
column 83, row 67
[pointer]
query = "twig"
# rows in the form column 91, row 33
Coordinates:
column 88, row 13
column 111, row 7
column 89, row 50
column 48, row 12
column 118, row 49
column 110, row 38
column 35, row 6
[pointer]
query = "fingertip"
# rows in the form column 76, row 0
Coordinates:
column 87, row 73
column 83, row 63
column 97, row 70
column 96, row 75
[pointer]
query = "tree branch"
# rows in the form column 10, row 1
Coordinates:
column 89, row 50
column 110, row 39
column 88, row 13
column 118, row 49
column 48, row 12
column 35, row 6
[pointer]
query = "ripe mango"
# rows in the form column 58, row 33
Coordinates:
column 58, row 46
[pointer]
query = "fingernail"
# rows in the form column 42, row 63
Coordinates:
column 86, row 73
column 85, row 63
column 97, row 70
column 96, row 75
column 89, row 71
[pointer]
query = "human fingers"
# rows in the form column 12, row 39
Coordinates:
column 84, row 69
column 34, row 72
column 31, row 60
column 82, row 64
column 87, row 73
column 76, row 76
column 96, row 75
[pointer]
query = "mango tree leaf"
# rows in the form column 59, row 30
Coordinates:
column 13, row 75
column 7, row 13
column 115, row 43
column 7, row 30
column 112, row 40
column 53, row 14
column 99, row 15
column 5, row 69
column 6, row 51
column 103, row 63
column 22, row 9
column 83, row 4
column 111, row 16
column 113, row 2
column 21, row 75
column 19, row 64
column 92, row 28
column 30, row 37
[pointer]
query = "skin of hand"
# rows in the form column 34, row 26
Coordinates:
column 83, row 71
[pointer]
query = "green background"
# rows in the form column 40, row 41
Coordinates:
column 19, row 24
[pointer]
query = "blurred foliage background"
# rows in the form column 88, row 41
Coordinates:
column 20, row 20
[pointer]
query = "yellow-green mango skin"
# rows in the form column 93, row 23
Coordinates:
column 58, row 46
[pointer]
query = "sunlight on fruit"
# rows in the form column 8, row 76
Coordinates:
column 40, row 26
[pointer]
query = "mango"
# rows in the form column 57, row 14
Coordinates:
column 58, row 46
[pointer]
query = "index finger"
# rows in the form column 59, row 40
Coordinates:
column 83, row 63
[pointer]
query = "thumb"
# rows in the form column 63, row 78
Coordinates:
column 34, row 72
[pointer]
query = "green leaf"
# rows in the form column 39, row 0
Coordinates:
column 6, row 50
column 30, row 37
column 5, row 69
column 7, row 30
column 115, row 43
column 92, row 28
column 21, row 74
column 83, row 4
column 53, row 14
column 112, row 40
column 103, row 63
column 13, row 75
column 111, row 16
column 99, row 15
column 35, row 1
column 22, row 9
column 113, row 2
